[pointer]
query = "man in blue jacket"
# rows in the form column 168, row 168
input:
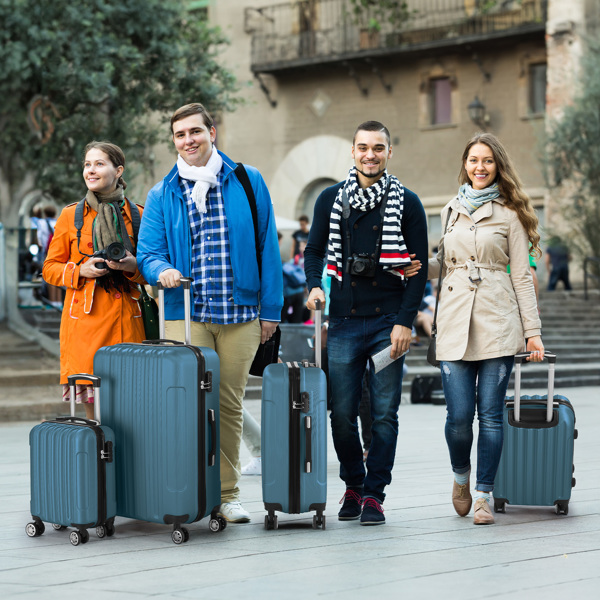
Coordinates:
column 365, row 228
column 198, row 223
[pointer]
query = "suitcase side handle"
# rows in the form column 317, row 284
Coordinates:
column 519, row 360
column 308, row 444
column 95, row 381
column 212, row 454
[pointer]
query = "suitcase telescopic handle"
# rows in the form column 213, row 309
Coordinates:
column 95, row 381
column 519, row 360
column 186, row 282
column 318, row 310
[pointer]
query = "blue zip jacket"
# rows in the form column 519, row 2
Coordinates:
column 165, row 242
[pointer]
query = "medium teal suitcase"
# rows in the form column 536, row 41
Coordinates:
column 536, row 467
column 294, row 439
column 162, row 401
column 73, row 473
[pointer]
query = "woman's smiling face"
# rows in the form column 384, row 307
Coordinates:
column 480, row 166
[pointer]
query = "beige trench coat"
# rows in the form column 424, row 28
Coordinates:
column 484, row 312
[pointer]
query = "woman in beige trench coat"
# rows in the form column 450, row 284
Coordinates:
column 486, row 315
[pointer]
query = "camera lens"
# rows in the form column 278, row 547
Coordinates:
column 115, row 251
column 359, row 266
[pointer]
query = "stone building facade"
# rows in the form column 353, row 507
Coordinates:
column 311, row 70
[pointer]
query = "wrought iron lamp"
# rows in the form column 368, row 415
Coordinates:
column 477, row 113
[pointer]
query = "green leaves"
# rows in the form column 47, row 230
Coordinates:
column 573, row 153
column 97, row 69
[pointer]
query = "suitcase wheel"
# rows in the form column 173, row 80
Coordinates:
column 499, row 505
column 101, row 531
column 79, row 537
column 34, row 529
column 318, row 521
column 58, row 527
column 271, row 522
column 217, row 524
column 110, row 529
column 180, row 535
column 561, row 508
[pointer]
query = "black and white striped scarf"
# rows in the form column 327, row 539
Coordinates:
column 394, row 254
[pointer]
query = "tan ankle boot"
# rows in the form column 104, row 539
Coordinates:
column 482, row 514
column 461, row 498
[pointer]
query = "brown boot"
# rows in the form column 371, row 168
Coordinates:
column 482, row 515
column 461, row 499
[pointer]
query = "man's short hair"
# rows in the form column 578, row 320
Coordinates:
column 303, row 218
column 373, row 126
column 189, row 110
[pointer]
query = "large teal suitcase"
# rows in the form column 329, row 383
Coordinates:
column 73, row 473
column 162, row 401
column 536, row 467
column 294, row 439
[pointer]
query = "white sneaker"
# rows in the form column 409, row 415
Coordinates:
column 234, row 512
column 254, row 467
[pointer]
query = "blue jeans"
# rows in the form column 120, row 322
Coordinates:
column 350, row 343
column 476, row 384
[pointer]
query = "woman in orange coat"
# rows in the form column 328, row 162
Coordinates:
column 101, row 305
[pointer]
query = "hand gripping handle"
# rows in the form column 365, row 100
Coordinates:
column 186, row 282
column 519, row 360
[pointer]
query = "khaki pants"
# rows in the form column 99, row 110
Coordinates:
column 236, row 346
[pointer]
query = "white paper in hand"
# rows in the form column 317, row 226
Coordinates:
column 382, row 359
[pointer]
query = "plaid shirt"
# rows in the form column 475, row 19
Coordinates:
column 211, row 264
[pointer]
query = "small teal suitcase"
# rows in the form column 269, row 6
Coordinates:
column 536, row 467
column 294, row 439
column 73, row 473
column 162, row 401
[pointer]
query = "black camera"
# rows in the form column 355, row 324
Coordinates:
column 114, row 251
column 361, row 264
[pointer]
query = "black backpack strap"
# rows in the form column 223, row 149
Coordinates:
column 135, row 220
column 242, row 175
column 79, row 220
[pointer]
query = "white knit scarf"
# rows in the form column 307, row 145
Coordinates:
column 394, row 254
column 205, row 177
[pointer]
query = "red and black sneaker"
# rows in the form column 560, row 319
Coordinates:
column 351, row 506
column 372, row 512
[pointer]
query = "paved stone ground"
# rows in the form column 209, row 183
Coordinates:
column 425, row 551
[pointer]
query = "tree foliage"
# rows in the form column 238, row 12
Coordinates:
column 573, row 155
column 96, row 69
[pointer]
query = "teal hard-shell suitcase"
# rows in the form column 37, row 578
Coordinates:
column 73, row 473
column 162, row 401
column 536, row 467
column 294, row 438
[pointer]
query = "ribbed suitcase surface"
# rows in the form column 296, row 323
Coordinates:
column 69, row 482
column 162, row 423
column 303, row 491
column 536, row 467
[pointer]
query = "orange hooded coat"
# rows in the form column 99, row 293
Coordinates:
column 92, row 317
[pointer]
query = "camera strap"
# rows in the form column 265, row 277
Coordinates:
column 346, row 215
column 135, row 224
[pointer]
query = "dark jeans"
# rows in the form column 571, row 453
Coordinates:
column 350, row 343
column 560, row 273
column 481, row 385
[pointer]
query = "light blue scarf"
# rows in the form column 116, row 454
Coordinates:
column 472, row 199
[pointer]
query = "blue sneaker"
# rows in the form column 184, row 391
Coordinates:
column 372, row 512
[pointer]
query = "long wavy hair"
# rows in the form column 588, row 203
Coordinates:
column 509, row 185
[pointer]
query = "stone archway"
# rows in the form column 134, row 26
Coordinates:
column 322, row 157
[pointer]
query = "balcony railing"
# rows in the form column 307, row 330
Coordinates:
column 318, row 31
